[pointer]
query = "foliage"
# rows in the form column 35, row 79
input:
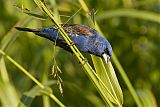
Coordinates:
column 132, row 27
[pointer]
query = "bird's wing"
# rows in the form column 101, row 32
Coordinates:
column 72, row 30
column 77, row 29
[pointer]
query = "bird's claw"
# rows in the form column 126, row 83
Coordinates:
column 71, row 44
column 84, row 61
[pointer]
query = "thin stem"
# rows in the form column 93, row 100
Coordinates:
column 31, row 77
column 126, row 80
column 22, row 69
column 115, row 60
column 90, row 72
column 56, row 100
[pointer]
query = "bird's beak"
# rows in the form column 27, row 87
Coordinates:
column 106, row 57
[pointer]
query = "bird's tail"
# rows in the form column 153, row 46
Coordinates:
column 42, row 32
column 28, row 29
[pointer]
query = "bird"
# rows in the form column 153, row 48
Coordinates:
column 85, row 38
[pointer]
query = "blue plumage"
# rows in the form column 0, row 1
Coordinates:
column 85, row 38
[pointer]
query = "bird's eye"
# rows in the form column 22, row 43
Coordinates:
column 107, row 51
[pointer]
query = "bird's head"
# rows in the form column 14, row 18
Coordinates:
column 107, row 53
column 102, row 48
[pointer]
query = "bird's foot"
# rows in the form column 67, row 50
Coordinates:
column 84, row 61
column 71, row 44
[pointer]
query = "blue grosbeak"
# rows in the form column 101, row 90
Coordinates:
column 85, row 38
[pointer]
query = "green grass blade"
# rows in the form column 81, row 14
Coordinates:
column 147, row 98
column 22, row 69
column 126, row 80
column 11, row 36
column 117, row 91
column 133, row 28
column 89, row 71
column 31, row 77
column 29, row 96
column 7, row 88
column 30, row 13
column 133, row 13
column 36, row 15
column 108, row 76
column 113, row 91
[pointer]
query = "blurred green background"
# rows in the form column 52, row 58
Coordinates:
column 134, row 36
